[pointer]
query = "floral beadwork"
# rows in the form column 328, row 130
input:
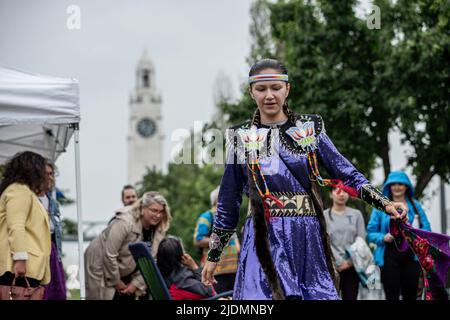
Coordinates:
column 253, row 140
column 249, row 143
column 297, row 139
column 426, row 253
column 214, row 241
column 217, row 242
column 304, row 135
column 421, row 246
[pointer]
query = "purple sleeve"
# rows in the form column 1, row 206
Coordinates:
column 230, row 194
column 337, row 165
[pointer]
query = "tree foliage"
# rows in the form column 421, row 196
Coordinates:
column 69, row 227
column 364, row 82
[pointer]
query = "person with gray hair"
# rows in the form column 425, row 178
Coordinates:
column 111, row 272
column 225, row 273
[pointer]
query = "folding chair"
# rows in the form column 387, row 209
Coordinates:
column 153, row 277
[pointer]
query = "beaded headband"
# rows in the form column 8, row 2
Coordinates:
column 268, row 77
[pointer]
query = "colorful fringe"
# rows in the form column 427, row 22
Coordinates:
column 335, row 183
column 266, row 195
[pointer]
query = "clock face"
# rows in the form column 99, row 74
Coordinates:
column 146, row 127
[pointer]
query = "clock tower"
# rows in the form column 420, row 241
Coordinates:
column 145, row 138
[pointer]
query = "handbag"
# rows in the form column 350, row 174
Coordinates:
column 364, row 264
column 14, row 292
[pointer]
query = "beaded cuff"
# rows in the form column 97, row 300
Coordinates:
column 217, row 242
column 374, row 197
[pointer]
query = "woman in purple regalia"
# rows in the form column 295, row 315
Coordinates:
column 273, row 159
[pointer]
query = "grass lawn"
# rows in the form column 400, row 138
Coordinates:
column 74, row 295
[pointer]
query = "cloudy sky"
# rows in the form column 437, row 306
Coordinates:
column 190, row 43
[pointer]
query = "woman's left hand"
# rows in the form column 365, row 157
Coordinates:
column 391, row 209
column 130, row 289
column 344, row 266
column 208, row 273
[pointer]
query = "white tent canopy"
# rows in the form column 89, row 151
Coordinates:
column 36, row 112
column 40, row 113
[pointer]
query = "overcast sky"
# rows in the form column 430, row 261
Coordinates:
column 190, row 43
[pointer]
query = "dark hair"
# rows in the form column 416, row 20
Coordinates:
column 333, row 188
column 27, row 168
column 169, row 255
column 410, row 198
column 276, row 65
column 307, row 200
column 267, row 64
column 261, row 240
column 126, row 187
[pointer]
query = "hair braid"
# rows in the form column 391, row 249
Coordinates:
column 261, row 240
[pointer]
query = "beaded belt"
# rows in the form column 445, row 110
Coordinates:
column 295, row 204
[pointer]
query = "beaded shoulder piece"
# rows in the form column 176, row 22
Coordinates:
column 298, row 139
column 248, row 142
column 303, row 136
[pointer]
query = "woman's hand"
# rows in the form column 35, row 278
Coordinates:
column 20, row 268
column 392, row 207
column 344, row 266
column 120, row 286
column 388, row 238
column 187, row 260
column 130, row 289
column 208, row 273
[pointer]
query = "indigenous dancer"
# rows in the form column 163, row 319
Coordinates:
column 273, row 159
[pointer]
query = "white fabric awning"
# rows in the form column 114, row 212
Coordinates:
column 36, row 113
column 40, row 113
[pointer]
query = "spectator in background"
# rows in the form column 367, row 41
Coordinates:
column 180, row 272
column 129, row 195
column 225, row 272
column 400, row 271
column 25, row 243
column 111, row 271
column 56, row 289
column 344, row 224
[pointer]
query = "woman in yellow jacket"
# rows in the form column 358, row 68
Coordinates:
column 25, row 241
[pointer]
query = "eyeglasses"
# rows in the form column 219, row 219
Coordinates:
column 152, row 210
column 52, row 174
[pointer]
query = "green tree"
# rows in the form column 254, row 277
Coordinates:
column 364, row 82
column 69, row 227
column 423, row 70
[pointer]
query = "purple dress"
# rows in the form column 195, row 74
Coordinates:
column 295, row 241
column 56, row 289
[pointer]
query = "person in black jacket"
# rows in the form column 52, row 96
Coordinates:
column 180, row 271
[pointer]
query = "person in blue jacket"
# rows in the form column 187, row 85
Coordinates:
column 400, row 271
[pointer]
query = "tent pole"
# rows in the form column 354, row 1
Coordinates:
column 80, row 220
